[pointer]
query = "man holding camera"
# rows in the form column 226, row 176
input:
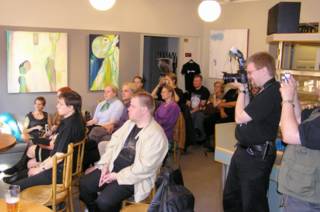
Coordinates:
column 299, row 175
column 257, row 126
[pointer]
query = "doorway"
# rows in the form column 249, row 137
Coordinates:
column 160, row 55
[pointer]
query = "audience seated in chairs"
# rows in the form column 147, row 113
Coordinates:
column 127, row 91
column 130, row 163
column 167, row 113
column 220, row 107
column 71, row 129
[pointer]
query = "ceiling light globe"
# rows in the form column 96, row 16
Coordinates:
column 102, row 5
column 209, row 10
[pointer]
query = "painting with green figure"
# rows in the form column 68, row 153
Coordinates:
column 37, row 61
column 104, row 61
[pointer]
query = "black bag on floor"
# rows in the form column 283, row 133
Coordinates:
column 171, row 197
column 175, row 173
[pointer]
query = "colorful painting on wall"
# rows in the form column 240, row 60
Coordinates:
column 37, row 61
column 104, row 61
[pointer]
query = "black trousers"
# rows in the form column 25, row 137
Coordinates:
column 91, row 154
column 107, row 198
column 43, row 178
column 248, row 182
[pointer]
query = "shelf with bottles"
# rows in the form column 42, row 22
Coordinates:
column 306, row 85
column 298, row 54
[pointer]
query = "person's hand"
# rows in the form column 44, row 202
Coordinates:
column 34, row 171
column 288, row 89
column 90, row 169
column 89, row 123
column 223, row 114
column 238, row 85
column 109, row 128
column 51, row 145
column 111, row 177
column 104, row 173
column 25, row 137
column 188, row 103
column 162, row 81
column 217, row 103
column 108, row 178
column 54, row 128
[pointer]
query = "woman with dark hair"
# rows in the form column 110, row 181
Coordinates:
column 71, row 129
column 139, row 82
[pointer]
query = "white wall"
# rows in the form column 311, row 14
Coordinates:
column 172, row 17
column 253, row 16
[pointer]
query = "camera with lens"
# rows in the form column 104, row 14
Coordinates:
column 241, row 75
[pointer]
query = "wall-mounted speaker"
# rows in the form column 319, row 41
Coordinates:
column 284, row 18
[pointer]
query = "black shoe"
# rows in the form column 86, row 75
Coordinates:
column 11, row 179
column 11, row 171
column 16, row 176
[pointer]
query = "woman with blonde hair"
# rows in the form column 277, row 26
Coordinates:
column 168, row 112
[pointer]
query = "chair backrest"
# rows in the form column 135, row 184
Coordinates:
column 180, row 132
column 79, row 149
column 179, row 137
column 63, row 188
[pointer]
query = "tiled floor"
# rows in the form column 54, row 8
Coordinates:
column 201, row 176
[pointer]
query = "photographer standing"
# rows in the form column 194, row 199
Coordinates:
column 299, row 176
column 257, row 125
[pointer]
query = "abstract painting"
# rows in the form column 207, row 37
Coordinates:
column 103, row 61
column 37, row 61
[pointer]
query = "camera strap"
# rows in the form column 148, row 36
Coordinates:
column 268, row 84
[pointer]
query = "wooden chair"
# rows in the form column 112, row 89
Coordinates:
column 77, row 170
column 51, row 195
column 140, row 207
column 79, row 148
column 179, row 137
column 130, row 201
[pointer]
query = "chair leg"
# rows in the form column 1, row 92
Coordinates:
column 70, row 204
column 82, row 206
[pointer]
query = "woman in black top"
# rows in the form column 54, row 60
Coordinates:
column 36, row 121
